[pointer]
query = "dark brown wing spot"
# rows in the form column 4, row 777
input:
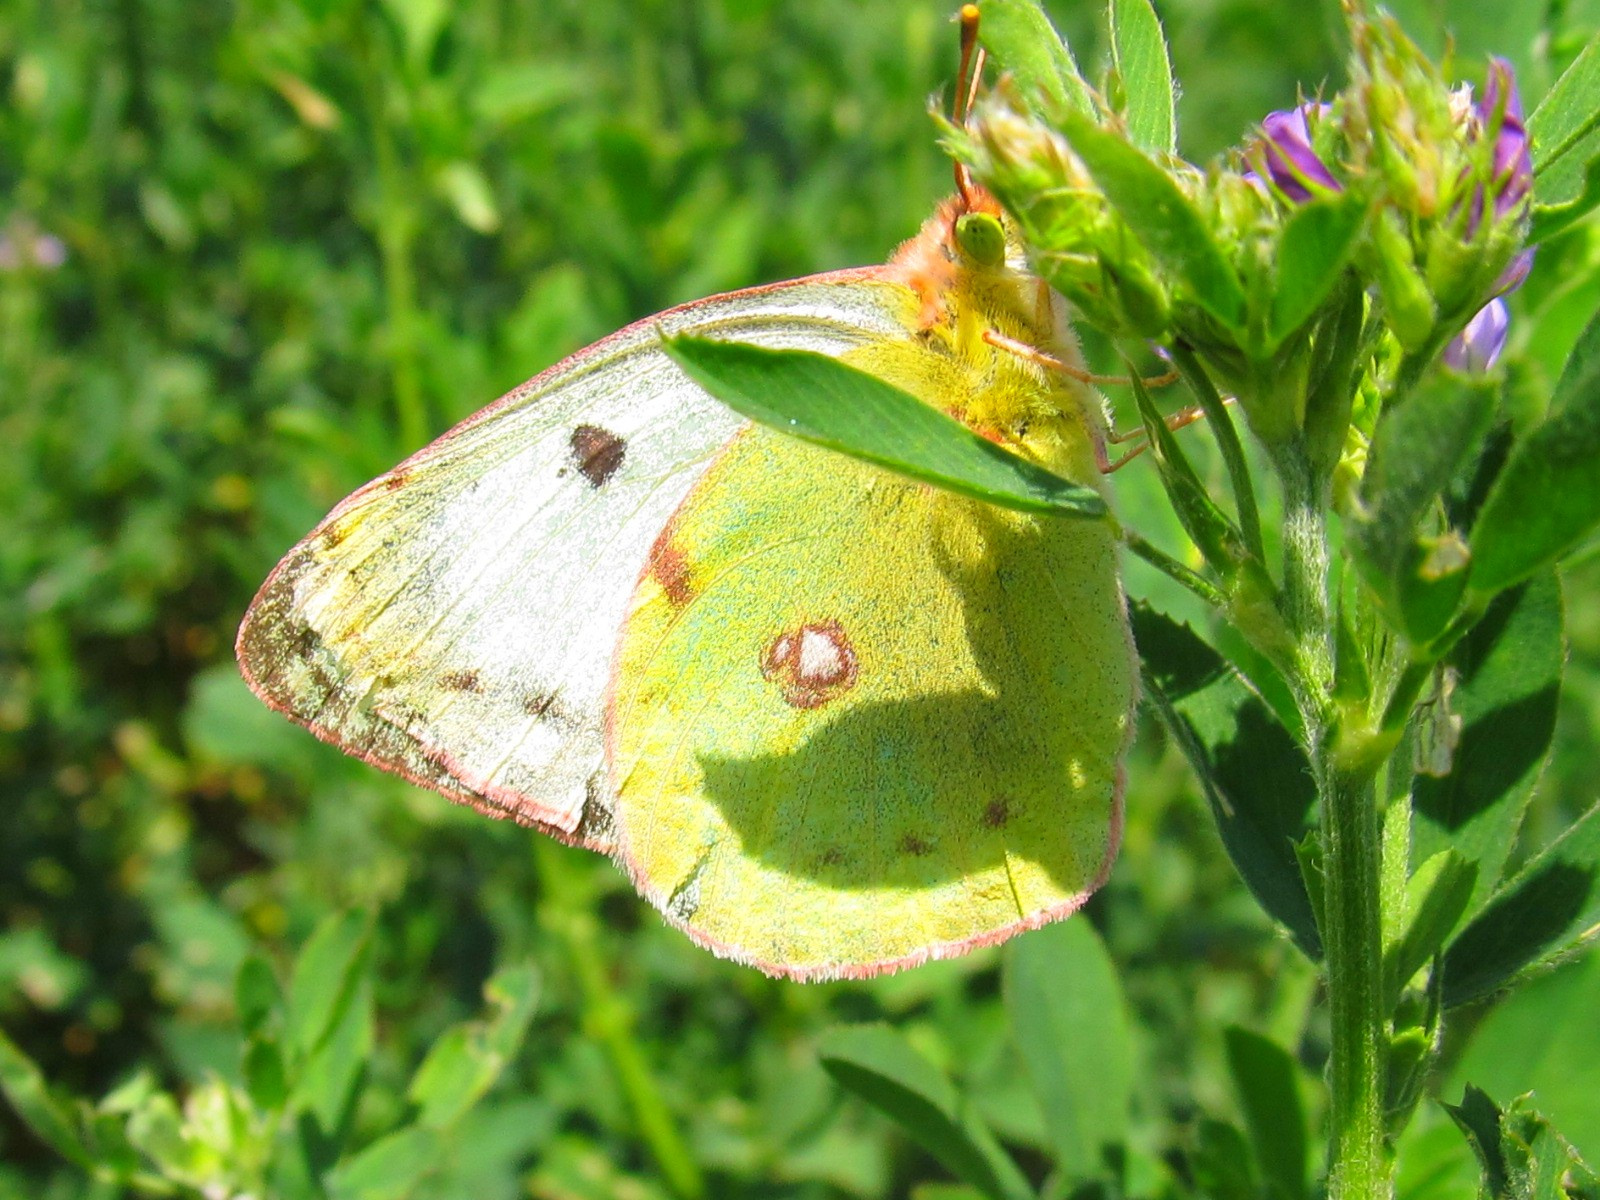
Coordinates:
column 536, row 704
column 307, row 642
column 831, row 857
column 597, row 823
column 812, row 664
column 915, row 846
column 597, row 452
column 997, row 813
column 395, row 480
column 461, row 681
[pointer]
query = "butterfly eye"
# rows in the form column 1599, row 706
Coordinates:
column 980, row 237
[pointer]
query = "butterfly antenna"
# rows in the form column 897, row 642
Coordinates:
column 967, row 79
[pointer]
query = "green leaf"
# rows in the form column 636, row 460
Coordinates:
column 1329, row 403
column 1173, row 655
column 50, row 1117
column 1407, row 1060
column 879, row 1065
column 465, row 1062
column 1160, row 216
column 1552, row 220
column 1478, row 1118
column 1564, row 130
column 469, row 193
column 1544, row 913
column 325, row 977
column 264, row 1075
column 327, row 1083
column 1543, row 1038
column 156, row 1129
column 421, row 22
column 1206, row 524
column 1139, row 54
column 944, row 1191
column 514, row 994
column 1522, row 1157
column 452, row 1078
column 1028, row 48
column 390, row 1168
column 1435, row 1164
column 1545, row 500
column 1253, row 773
column 1222, row 1164
column 823, row 401
column 1543, row 1166
column 1417, row 450
column 1508, row 677
column 1436, row 897
column 257, row 995
column 1266, row 1079
column 1071, row 1024
column 1311, row 859
column 1316, row 245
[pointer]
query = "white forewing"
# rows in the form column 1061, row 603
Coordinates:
column 454, row 619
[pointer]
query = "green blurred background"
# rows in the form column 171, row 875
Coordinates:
column 255, row 252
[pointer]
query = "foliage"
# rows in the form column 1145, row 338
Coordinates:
column 298, row 236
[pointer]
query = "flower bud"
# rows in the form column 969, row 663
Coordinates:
column 1476, row 348
column 1286, row 153
column 1501, row 110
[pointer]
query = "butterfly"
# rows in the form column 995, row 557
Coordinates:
column 830, row 721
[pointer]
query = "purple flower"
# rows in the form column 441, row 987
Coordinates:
column 1290, row 161
column 25, row 246
column 1476, row 348
column 1513, row 164
column 1516, row 271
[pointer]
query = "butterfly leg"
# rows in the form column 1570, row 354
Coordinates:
column 1187, row 415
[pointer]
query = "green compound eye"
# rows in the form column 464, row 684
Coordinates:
column 981, row 239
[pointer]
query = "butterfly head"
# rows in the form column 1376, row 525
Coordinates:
column 980, row 238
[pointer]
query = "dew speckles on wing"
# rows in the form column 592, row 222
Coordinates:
column 597, row 453
column 812, row 664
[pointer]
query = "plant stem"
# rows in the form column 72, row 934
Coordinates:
column 1306, row 567
column 567, row 911
column 1352, row 943
column 1359, row 1167
column 1165, row 563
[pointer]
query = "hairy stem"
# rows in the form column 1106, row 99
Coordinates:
column 1352, row 927
column 1352, row 943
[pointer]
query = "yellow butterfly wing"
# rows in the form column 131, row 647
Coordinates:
column 453, row 620
column 858, row 722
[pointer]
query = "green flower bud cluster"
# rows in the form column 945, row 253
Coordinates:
column 1398, row 207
